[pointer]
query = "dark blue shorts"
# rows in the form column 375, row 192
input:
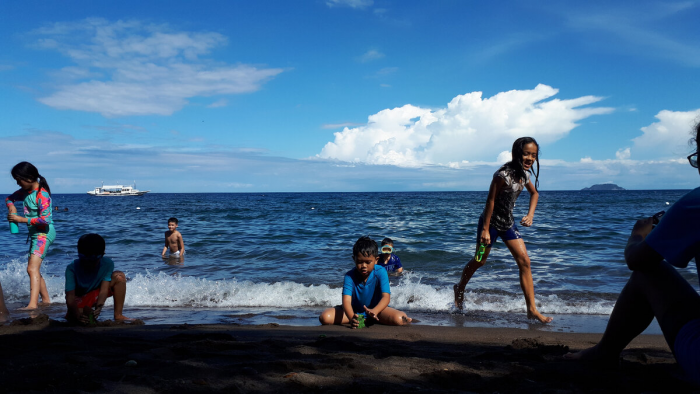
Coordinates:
column 511, row 233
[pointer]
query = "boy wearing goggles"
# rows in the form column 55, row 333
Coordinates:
column 387, row 258
column 90, row 280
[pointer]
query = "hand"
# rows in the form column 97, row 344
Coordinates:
column 526, row 221
column 97, row 311
column 13, row 217
column 485, row 237
column 371, row 314
column 84, row 317
column 354, row 322
column 642, row 228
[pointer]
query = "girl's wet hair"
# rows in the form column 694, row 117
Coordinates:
column 365, row 246
column 27, row 172
column 516, row 163
column 387, row 241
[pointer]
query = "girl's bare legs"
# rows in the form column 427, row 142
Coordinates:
column 4, row 313
column 517, row 249
column 37, row 285
column 467, row 274
column 659, row 292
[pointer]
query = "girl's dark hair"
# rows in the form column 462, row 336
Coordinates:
column 365, row 246
column 696, row 136
column 27, row 172
column 387, row 241
column 516, row 163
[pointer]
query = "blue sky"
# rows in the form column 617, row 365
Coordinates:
column 347, row 95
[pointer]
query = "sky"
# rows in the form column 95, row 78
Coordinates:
column 347, row 95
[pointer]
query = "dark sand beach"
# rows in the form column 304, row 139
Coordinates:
column 43, row 355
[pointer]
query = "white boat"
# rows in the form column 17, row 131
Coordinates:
column 116, row 191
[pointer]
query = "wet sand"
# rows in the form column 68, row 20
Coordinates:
column 46, row 355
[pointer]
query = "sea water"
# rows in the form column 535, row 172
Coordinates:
column 280, row 257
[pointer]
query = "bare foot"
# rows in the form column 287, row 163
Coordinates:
column 459, row 297
column 538, row 316
column 406, row 320
column 593, row 355
column 122, row 318
column 28, row 308
column 4, row 316
column 44, row 303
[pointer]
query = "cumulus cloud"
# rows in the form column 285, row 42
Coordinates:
column 667, row 137
column 470, row 128
column 504, row 157
column 71, row 166
column 623, row 154
column 128, row 68
column 359, row 4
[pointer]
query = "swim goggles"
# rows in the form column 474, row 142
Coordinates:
column 386, row 249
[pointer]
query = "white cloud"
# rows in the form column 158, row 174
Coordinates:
column 148, row 69
column 218, row 103
column 359, row 4
column 504, row 157
column 623, row 154
column 667, row 137
column 370, row 55
column 70, row 165
column 469, row 128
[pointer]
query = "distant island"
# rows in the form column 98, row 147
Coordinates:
column 603, row 187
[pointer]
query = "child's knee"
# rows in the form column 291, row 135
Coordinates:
column 118, row 277
column 399, row 319
column 327, row 317
column 523, row 263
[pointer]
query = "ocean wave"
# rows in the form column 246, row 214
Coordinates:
column 160, row 290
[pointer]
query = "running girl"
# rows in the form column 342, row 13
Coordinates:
column 34, row 192
column 497, row 221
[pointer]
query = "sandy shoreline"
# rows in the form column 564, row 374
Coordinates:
column 45, row 355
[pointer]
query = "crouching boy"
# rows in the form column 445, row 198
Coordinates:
column 365, row 290
column 90, row 280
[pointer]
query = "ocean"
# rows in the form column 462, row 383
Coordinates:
column 256, row 258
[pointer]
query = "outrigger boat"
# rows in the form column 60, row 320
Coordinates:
column 116, row 190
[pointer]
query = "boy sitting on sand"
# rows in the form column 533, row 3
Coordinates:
column 90, row 279
column 173, row 240
column 365, row 290
column 388, row 259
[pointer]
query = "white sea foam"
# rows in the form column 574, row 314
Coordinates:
column 410, row 294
